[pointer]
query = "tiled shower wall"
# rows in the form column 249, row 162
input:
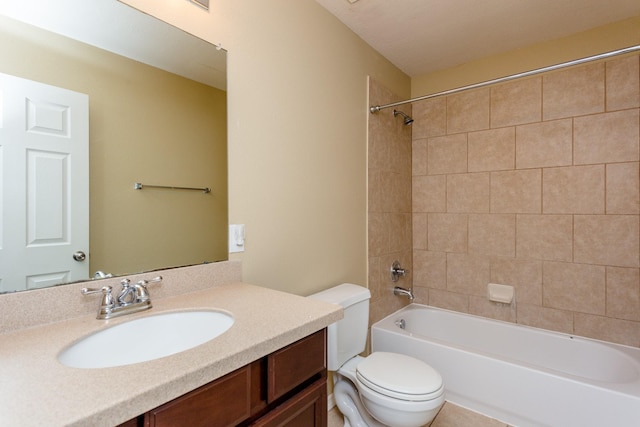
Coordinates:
column 389, row 202
column 532, row 183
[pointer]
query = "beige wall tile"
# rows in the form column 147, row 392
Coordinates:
column 419, row 231
column 575, row 287
column 448, row 300
column 605, row 138
column 572, row 183
column 378, row 234
column 492, row 150
column 607, row 240
column 576, row 189
column 516, row 191
column 623, row 188
column 396, row 188
column 429, row 193
column 400, row 145
column 468, row 111
column 373, row 277
column 623, row 293
column 399, row 231
column 447, row 154
column 382, row 307
column 468, row 274
column 378, row 148
column 447, row 232
column 430, row 118
column 492, row 234
column 420, row 295
column 545, row 318
column 544, row 144
column 375, row 201
column 468, row 192
column 481, row 306
column 430, row 269
column 573, row 92
column 524, row 275
column 419, row 157
column 516, row 102
column 623, row 83
column 605, row 328
column 544, row 237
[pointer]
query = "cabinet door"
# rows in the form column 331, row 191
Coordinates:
column 224, row 402
column 306, row 409
column 295, row 364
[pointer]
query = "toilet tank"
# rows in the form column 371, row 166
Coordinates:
column 347, row 337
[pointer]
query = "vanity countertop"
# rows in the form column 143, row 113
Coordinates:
column 36, row 389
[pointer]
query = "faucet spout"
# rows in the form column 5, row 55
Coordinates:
column 403, row 292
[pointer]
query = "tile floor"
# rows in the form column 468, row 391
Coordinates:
column 449, row 416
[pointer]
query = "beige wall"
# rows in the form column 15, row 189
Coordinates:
column 535, row 184
column 297, row 136
column 134, row 138
column 297, row 156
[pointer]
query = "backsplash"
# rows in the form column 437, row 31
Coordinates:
column 532, row 183
column 36, row 307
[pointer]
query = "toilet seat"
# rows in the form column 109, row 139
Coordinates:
column 400, row 377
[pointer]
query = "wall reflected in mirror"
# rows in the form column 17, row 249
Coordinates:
column 145, row 125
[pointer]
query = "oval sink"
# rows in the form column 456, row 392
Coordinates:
column 146, row 338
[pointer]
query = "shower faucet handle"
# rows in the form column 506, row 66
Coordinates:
column 396, row 271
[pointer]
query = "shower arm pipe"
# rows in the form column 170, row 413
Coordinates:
column 376, row 108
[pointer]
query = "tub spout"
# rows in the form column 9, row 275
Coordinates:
column 402, row 291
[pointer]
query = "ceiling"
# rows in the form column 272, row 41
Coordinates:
column 119, row 28
column 421, row 36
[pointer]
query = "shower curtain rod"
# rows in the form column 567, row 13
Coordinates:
column 376, row 108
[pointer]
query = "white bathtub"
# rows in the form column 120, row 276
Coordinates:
column 520, row 375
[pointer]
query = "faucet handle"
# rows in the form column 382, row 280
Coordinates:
column 107, row 301
column 142, row 294
column 88, row 291
column 397, row 271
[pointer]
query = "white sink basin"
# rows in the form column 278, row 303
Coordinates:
column 146, row 338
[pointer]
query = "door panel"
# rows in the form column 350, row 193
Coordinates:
column 44, row 184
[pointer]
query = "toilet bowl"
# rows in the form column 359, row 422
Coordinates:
column 396, row 390
column 382, row 389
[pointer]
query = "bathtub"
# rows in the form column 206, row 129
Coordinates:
column 520, row 375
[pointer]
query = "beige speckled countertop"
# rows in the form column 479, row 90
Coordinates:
column 35, row 389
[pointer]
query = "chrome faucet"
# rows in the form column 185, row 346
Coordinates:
column 403, row 292
column 131, row 299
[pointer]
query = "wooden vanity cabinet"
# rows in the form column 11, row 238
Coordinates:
column 286, row 388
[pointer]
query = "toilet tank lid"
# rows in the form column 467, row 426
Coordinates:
column 345, row 295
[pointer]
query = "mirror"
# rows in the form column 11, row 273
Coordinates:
column 157, row 116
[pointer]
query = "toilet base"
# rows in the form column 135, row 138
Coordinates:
column 353, row 407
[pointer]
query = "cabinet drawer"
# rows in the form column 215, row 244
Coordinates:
column 295, row 364
column 225, row 402
column 306, row 409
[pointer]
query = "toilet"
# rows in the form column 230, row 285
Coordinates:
column 382, row 389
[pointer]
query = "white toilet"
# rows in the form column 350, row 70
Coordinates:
column 382, row 389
